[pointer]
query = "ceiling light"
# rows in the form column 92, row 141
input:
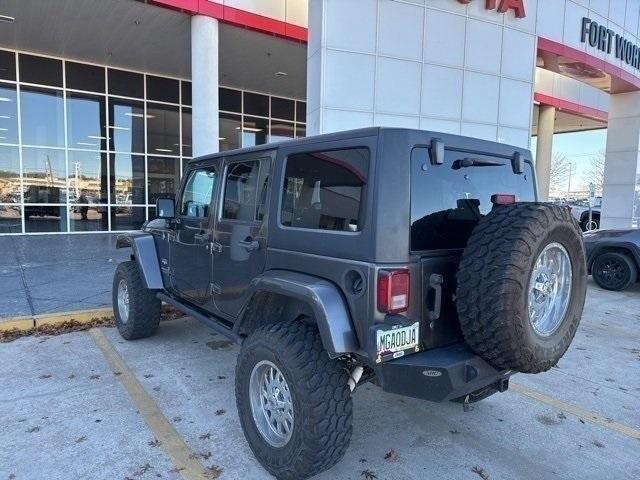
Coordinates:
column 132, row 114
column 96, row 137
column 4, row 129
column 119, row 128
column 163, row 150
column 87, row 144
column 221, row 139
column 7, row 18
column 5, row 99
column 280, row 74
column 8, row 117
column 249, row 129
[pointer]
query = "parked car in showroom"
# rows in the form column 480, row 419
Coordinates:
column 613, row 257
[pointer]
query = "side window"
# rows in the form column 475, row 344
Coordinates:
column 197, row 194
column 241, row 191
column 324, row 190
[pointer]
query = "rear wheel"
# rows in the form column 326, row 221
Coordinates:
column 293, row 401
column 136, row 308
column 614, row 271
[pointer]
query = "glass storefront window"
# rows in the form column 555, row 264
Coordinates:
column 88, row 218
column 86, row 122
column 254, row 131
column 10, row 175
column 301, row 130
column 84, row 77
column 163, row 177
column 126, row 125
column 301, row 112
column 40, row 70
column 163, row 129
column 45, row 218
column 281, row 131
column 44, row 175
column 94, row 147
column 125, row 84
column 7, row 65
column 127, row 179
column 10, row 219
column 230, row 131
column 42, row 117
column 8, row 114
column 127, row 218
column 87, row 177
column 187, row 151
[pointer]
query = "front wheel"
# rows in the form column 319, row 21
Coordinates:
column 136, row 308
column 293, row 401
column 614, row 271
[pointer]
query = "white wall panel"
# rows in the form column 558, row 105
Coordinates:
column 352, row 81
column 441, row 87
column 518, row 53
column 483, row 46
column 398, row 86
column 400, row 30
column 480, row 97
column 351, row 25
column 444, row 38
column 515, row 103
column 550, row 22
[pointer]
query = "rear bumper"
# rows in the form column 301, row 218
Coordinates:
column 440, row 374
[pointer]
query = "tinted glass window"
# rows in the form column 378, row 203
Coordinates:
column 7, row 65
column 240, row 191
column 126, row 125
column 301, row 112
column 186, row 132
column 163, row 89
column 255, row 104
column 197, row 194
column 448, row 200
column 163, row 129
column 126, row 84
column 87, row 173
column 86, row 121
column 186, row 92
column 45, row 218
column 40, row 70
column 8, row 114
column 282, row 108
column 9, row 175
column 44, row 173
column 230, row 133
column 164, row 177
column 324, row 190
column 127, row 179
column 254, row 131
column 84, row 77
column 42, row 114
column 10, row 219
column 127, row 218
column 281, row 131
column 230, row 100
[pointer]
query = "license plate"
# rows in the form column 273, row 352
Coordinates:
column 396, row 341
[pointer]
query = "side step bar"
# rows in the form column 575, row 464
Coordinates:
column 204, row 319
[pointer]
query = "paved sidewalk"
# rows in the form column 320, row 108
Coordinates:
column 56, row 273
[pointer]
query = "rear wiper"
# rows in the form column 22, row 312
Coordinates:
column 474, row 162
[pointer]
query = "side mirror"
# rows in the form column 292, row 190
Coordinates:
column 165, row 208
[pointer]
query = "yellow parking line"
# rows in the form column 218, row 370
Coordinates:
column 581, row 413
column 183, row 458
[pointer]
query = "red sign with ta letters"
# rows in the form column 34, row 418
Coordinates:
column 516, row 5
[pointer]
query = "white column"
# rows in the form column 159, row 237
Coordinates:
column 621, row 192
column 204, row 85
column 544, row 151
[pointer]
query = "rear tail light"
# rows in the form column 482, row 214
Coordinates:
column 503, row 199
column 393, row 290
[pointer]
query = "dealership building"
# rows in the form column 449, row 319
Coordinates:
column 103, row 102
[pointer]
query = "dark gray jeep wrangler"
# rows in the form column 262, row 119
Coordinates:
column 418, row 261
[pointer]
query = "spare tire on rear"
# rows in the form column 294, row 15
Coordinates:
column 521, row 286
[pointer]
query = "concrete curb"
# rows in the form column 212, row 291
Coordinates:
column 26, row 323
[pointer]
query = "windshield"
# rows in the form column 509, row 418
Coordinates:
column 448, row 200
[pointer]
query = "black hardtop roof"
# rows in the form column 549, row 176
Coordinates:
column 449, row 139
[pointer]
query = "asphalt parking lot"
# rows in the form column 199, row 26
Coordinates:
column 68, row 411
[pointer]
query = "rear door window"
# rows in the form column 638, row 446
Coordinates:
column 448, row 200
column 324, row 190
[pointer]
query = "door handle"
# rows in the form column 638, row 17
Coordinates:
column 249, row 244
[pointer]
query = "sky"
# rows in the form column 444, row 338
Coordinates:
column 579, row 147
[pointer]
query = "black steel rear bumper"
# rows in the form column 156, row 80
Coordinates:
column 447, row 373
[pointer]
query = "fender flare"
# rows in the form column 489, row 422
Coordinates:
column 145, row 255
column 325, row 300
column 603, row 246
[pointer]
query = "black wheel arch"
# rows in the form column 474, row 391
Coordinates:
column 145, row 254
column 630, row 250
column 286, row 295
